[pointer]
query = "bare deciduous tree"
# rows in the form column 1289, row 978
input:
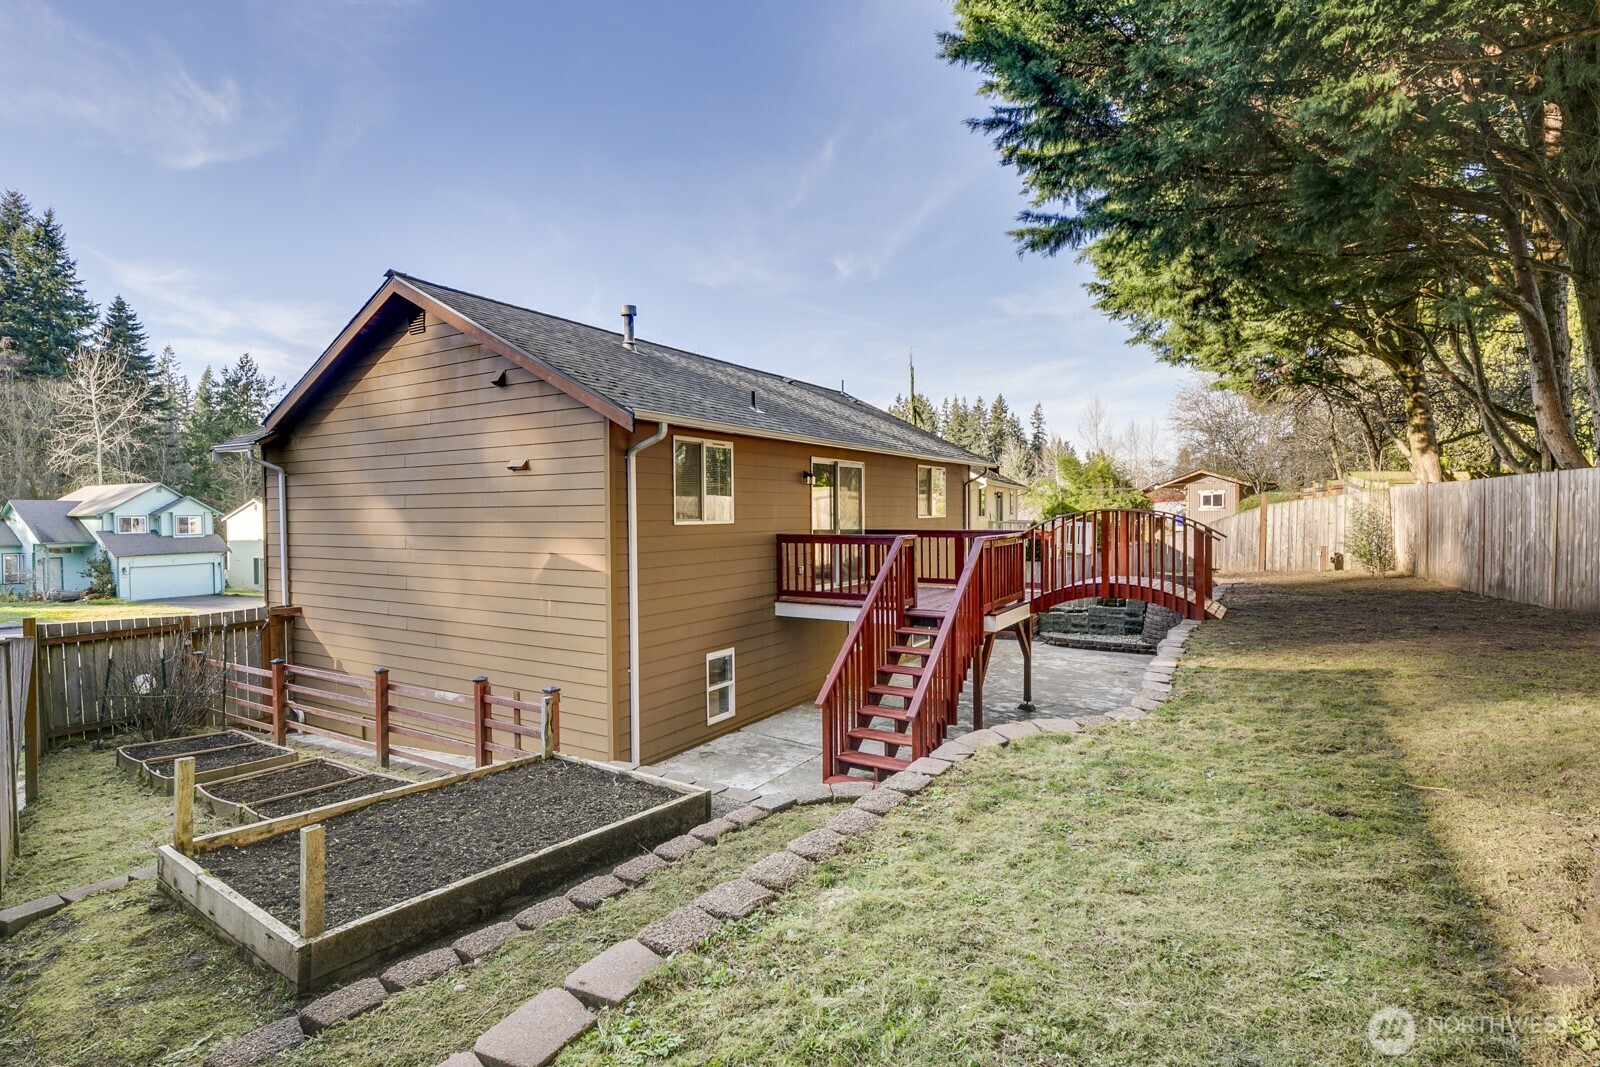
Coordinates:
column 100, row 411
column 27, row 414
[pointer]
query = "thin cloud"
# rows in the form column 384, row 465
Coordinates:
column 182, row 308
column 145, row 100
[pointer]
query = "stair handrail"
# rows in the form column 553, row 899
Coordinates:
column 946, row 665
column 866, row 645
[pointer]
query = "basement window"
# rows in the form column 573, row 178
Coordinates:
column 719, row 686
column 1212, row 500
column 930, row 492
column 702, row 482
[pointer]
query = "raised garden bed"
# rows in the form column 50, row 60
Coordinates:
column 227, row 754
column 300, row 786
column 405, row 866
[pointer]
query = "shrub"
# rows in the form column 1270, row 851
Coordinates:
column 161, row 689
column 1370, row 537
column 102, row 580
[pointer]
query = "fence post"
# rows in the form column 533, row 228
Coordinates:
column 31, row 731
column 480, row 725
column 313, row 868
column 380, row 715
column 183, row 805
column 280, row 701
column 550, row 721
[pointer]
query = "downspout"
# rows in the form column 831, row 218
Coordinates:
column 634, row 668
column 283, row 515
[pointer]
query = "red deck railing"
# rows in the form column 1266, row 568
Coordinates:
column 488, row 725
column 1139, row 555
column 893, row 589
column 830, row 567
column 942, row 553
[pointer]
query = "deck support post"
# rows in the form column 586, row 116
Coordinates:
column 183, row 805
column 313, row 880
column 280, row 701
column 1024, row 631
column 980, row 668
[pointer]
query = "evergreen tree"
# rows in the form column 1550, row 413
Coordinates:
column 1004, row 429
column 225, row 406
column 1038, row 439
column 978, row 428
column 44, row 312
column 122, row 336
column 166, row 420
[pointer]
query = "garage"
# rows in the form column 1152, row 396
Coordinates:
column 148, row 580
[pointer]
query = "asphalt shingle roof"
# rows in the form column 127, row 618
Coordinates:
column 91, row 500
column 149, row 544
column 652, row 379
column 51, row 521
column 8, row 537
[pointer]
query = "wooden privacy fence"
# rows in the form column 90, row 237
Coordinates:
column 16, row 667
column 1532, row 538
column 283, row 698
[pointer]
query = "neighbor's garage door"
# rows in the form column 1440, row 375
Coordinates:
column 177, row 579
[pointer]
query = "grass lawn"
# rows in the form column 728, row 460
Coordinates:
column 1366, row 793
column 87, row 609
column 128, row 980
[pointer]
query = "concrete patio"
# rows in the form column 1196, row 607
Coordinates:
column 784, row 751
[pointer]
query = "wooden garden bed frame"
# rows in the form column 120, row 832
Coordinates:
column 227, row 739
column 244, row 811
column 311, row 956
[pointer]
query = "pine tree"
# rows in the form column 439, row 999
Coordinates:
column 225, row 406
column 1004, row 429
column 122, row 336
column 978, row 428
column 168, row 414
column 1038, row 440
column 44, row 312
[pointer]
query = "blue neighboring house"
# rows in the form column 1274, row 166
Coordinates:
column 161, row 543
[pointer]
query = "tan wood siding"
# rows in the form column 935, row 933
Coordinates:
column 414, row 548
column 709, row 587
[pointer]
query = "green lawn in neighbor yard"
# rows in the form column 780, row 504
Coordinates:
column 1365, row 793
column 85, row 609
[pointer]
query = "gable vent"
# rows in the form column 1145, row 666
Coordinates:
column 419, row 322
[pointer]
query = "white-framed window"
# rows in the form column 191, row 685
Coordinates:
column 1212, row 500
column 702, row 481
column 11, row 568
column 719, row 686
column 131, row 524
column 189, row 526
column 930, row 493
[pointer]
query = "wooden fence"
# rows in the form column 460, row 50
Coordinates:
column 16, row 668
column 1532, row 538
column 285, row 698
column 1297, row 535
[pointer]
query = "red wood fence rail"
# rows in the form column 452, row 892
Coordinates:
column 285, row 697
column 829, row 566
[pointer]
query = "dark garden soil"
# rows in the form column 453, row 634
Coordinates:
column 210, row 761
column 364, row 786
column 290, row 779
column 401, row 848
column 179, row 745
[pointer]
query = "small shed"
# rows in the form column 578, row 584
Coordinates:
column 1207, row 495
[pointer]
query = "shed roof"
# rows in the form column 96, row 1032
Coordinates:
column 149, row 544
column 1194, row 476
column 51, row 521
column 649, row 382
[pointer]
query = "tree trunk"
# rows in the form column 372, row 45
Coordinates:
column 1422, row 437
column 1544, row 381
column 1586, row 287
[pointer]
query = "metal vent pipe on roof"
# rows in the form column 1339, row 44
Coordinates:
column 628, row 312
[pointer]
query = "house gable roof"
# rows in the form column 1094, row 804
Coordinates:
column 148, row 544
column 1194, row 476
column 51, row 521
column 648, row 382
column 246, row 506
column 179, row 499
column 91, row 500
column 8, row 537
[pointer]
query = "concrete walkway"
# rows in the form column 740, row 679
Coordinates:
column 784, row 752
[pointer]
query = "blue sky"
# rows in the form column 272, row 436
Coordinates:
column 785, row 185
